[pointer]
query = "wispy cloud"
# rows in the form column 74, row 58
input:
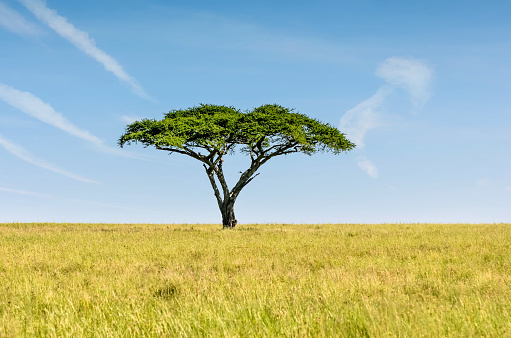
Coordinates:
column 211, row 31
column 483, row 182
column 25, row 192
column 129, row 119
column 21, row 153
column 35, row 107
column 82, row 41
column 15, row 22
column 409, row 74
column 366, row 165
column 105, row 205
column 36, row 194
column 364, row 117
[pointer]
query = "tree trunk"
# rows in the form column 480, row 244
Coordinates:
column 228, row 219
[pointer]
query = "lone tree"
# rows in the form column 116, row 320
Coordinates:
column 209, row 132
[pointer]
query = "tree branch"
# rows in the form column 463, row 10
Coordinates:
column 220, row 175
column 282, row 151
column 211, row 177
column 211, row 155
column 245, row 178
column 184, row 151
column 250, row 180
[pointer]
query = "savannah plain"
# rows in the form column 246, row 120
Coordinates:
column 290, row 280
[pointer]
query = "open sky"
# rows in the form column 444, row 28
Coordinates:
column 422, row 87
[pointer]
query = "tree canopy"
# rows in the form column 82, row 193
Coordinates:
column 209, row 132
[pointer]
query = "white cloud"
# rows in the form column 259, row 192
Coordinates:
column 409, row 74
column 366, row 165
column 208, row 30
column 35, row 107
column 508, row 189
column 289, row 47
column 24, row 192
column 82, row 41
column 484, row 182
column 13, row 21
column 106, row 205
column 36, row 194
column 129, row 119
column 21, row 153
column 364, row 117
column 406, row 73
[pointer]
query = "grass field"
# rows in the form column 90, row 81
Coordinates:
column 111, row 280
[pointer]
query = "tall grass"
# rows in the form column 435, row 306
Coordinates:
column 90, row 280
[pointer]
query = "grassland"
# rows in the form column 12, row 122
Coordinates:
column 111, row 280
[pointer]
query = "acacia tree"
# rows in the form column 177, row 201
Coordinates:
column 209, row 132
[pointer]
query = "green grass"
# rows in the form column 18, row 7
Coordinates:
column 112, row 280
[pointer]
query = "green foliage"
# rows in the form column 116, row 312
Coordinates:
column 208, row 132
column 220, row 128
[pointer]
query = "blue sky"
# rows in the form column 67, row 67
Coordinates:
column 423, row 88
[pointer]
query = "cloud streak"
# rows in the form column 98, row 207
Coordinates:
column 210, row 31
column 82, row 41
column 36, row 194
column 366, row 165
column 105, row 205
column 408, row 74
column 26, row 193
column 15, row 22
column 35, row 107
column 129, row 119
column 483, row 182
column 21, row 153
column 364, row 116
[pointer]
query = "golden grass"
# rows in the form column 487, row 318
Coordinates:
column 110, row 280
